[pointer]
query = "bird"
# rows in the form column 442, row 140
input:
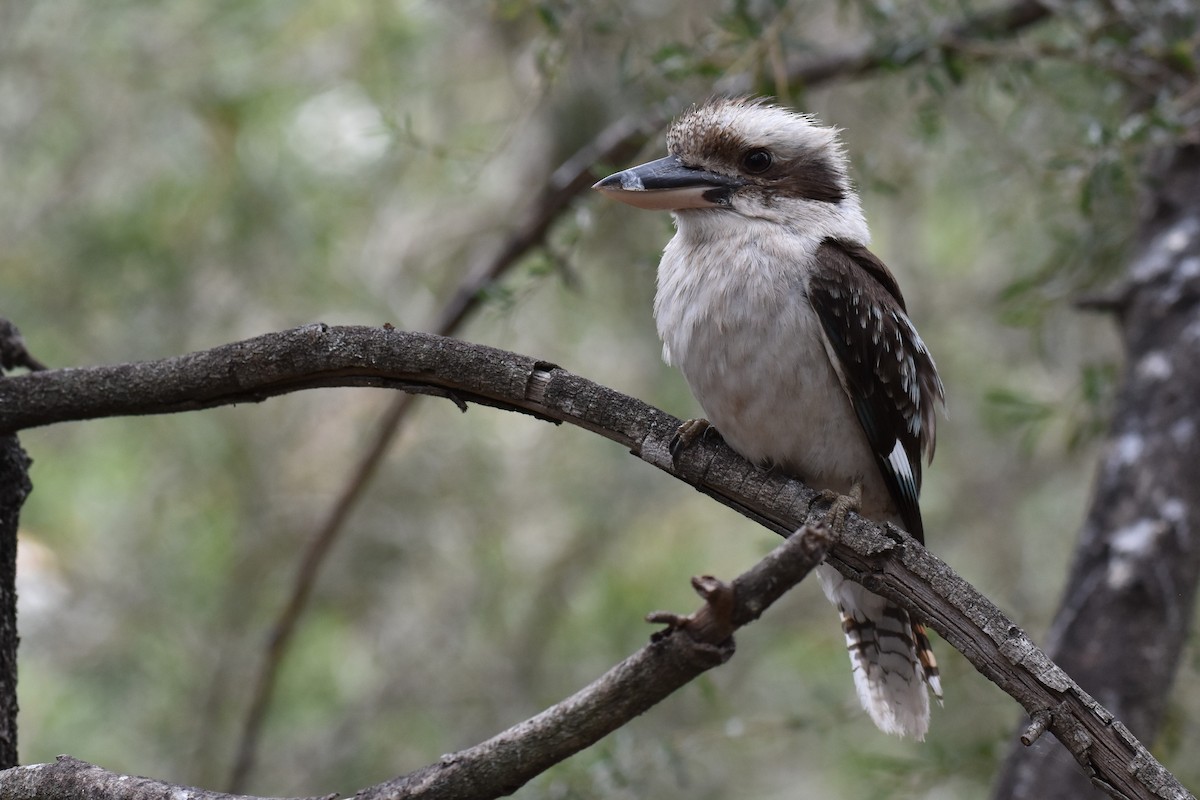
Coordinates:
column 795, row 340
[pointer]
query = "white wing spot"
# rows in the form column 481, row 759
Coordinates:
column 898, row 458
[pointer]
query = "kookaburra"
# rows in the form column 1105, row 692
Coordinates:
column 794, row 338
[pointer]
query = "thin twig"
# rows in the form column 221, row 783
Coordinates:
column 13, row 352
column 302, row 586
column 1040, row 720
column 876, row 55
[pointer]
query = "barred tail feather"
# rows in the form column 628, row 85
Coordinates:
column 890, row 656
column 927, row 659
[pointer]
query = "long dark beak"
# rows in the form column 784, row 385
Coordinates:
column 668, row 184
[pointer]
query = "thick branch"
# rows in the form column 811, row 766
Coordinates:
column 70, row 779
column 881, row 557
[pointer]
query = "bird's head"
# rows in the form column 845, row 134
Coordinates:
column 741, row 155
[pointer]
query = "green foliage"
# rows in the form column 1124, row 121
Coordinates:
column 1010, row 409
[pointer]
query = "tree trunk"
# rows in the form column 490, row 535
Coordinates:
column 14, row 488
column 1128, row 604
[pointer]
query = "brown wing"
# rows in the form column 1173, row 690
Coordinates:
column 886, row 370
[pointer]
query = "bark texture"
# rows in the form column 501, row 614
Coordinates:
column 1127, row 608
column 14, row 488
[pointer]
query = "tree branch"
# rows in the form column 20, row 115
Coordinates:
column 69, row 779
column 14, row 488
column 881, row 557
column 876, row 55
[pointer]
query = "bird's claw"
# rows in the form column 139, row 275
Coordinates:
column 687, row 435
column 840, row 505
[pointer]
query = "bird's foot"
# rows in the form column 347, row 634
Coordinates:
column 840, row 505
column 687, row 435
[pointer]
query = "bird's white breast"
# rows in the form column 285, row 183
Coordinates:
column 733, row 312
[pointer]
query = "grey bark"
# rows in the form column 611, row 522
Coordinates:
column 1127, row 608
column 14, row 488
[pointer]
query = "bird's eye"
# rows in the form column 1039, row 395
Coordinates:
column 757, row 161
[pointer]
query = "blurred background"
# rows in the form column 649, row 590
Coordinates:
column 181, row 175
